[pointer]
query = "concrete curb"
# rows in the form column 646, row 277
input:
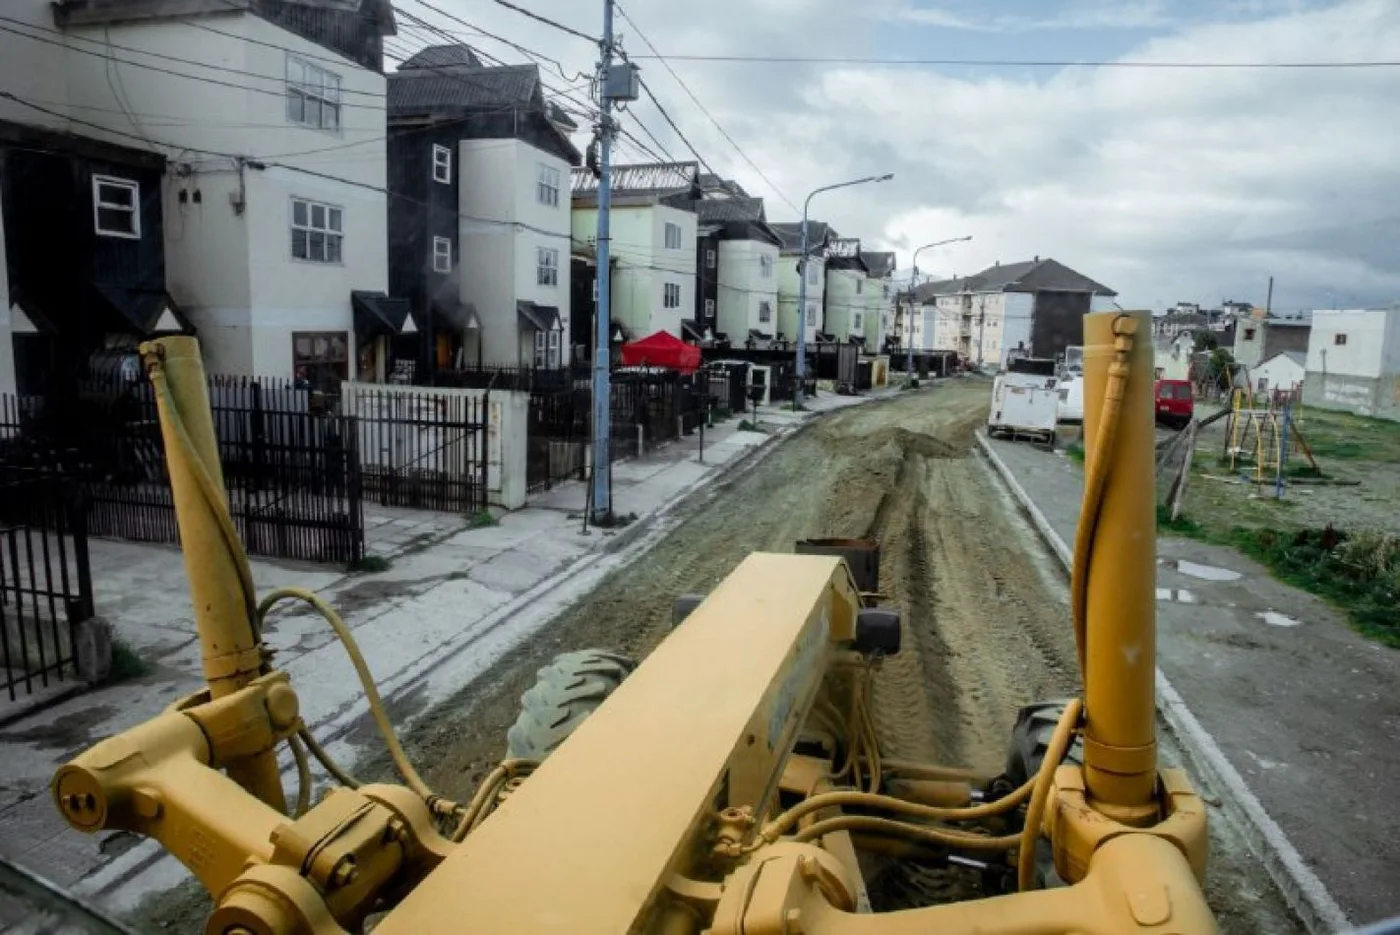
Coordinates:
column 1305, row 893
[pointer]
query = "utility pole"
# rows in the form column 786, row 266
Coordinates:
column 612, row 85
column 1269, row 300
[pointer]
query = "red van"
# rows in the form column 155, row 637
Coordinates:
column 1175, row 404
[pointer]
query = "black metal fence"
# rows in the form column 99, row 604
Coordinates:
column 292, row 470
column 422, row 449
column 45, row 579
column 648, row 406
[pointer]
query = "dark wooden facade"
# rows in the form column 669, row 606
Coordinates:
column 81, row 289
column 707, row 280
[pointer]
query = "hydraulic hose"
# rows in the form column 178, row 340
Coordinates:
column 485, row 792
column 303, row 776
column 840, row 799
column 352, row 649
column 326, row 761
column 943, row 836
column 1054, row 752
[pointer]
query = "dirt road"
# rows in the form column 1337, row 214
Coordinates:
column 985, row 612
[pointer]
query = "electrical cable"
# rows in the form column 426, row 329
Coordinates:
column 1011, row 63
column 723, row 132
column 662, row 110
column 548, row 22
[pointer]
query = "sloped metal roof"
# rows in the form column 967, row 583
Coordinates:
column 646, row 178
column 715, row 210
column 435, row 90
column 1037, row 275
column 443, row 56
column 881, row 264
column 818, row 233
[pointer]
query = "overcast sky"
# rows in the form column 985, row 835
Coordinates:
column 1165, row 184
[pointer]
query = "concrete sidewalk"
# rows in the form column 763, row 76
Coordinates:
column 453, row 602
column 1293, row 712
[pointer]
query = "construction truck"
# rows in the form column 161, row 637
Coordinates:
column 733, row 782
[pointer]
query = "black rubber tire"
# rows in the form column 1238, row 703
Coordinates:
column 566, row 692
column 1030, row 739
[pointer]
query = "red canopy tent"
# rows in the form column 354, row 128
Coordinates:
column 662, row 349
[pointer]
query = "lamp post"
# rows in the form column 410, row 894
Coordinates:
column 913, row 302
column 802, row 281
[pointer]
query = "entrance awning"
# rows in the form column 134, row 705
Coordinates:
column 377, row 315
column 538, row 317
column 620, row 333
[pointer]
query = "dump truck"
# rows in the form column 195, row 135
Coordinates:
column 731, row 783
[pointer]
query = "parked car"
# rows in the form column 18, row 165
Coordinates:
column 1176, row 405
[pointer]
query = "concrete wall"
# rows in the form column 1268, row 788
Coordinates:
column 1355, row 342
column 642, row 265
column 743, row 287
column 34, row 69
column 788, row 285
column 1367, row 396
column 506, row 449
column 554, row 220
column 228, row 245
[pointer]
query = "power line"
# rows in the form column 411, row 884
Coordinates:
column 685, row 87
column 667, row 116
column 547, row 21
column 519, row 48
column 1006, row 63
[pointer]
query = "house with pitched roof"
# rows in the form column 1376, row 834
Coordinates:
column 127, row 228
column 746, row 277
column 652, row 249
column 480, row 210
column 1033, row 308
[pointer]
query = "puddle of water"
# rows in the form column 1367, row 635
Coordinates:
column 1207, row 572
column 1179, row 595
column 1275, row 619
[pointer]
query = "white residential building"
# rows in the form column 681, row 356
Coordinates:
column 1035, row 308
column 818, row 235
column 847, row 303
column 1353, row 361
column 653, row 251
column 274, row 195
column 880, row 292
column 747, row 276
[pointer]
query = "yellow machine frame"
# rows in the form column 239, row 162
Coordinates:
column 680, row 806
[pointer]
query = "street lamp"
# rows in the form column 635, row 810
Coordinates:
column 913, row 301
column 802, row 281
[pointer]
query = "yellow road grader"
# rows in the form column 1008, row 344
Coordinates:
column 731, row 784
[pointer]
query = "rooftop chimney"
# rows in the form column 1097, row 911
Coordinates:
column 1037, row 258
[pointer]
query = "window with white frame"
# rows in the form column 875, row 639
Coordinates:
column 860, row 286
column 709, row 308
column 765, row 312
column 673, row 236
column 858, row 322
column 709, row 259
column 765, row 266
column 547, row 349
column 442, row 255
column 547, row 186
column 812, row 270
column 671, row 295
column 313, row 95
column 317, row 231
column 547, row 266
column 811, row 313
column 116, row 207
column 442, row 164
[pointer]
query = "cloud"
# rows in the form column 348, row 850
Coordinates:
column 1093, row 14
column 1166, row 184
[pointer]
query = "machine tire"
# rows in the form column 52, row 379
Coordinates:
column 566, row 691
column 1030, row 739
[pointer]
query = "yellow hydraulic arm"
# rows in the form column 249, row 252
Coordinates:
column 727, row 787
